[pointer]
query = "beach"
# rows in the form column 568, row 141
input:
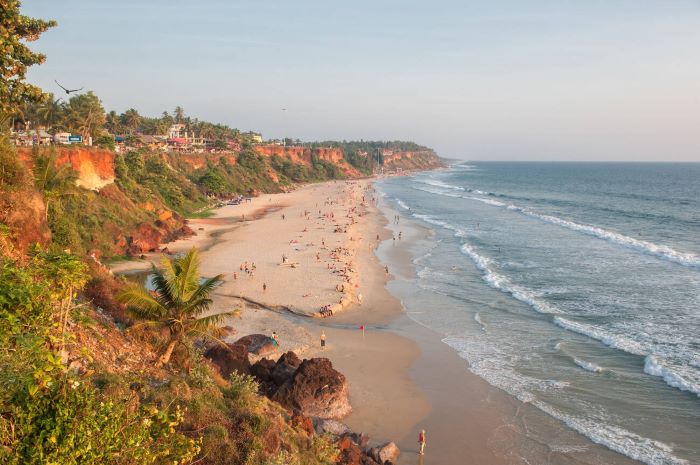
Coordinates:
column 396, row 386
column 324, row 246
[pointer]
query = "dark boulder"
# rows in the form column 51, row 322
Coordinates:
column 229, row 358
column 258, row 344
column 262, row 370
column 285, row 367
column 316, row 390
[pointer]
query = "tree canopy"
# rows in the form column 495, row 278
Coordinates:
column 16, row 57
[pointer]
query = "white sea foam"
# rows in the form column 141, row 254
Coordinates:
column 437, row 183
column 477, row 318
column 495, row 203
column 687, row 259
column 668, row 253
column 402, row 204
column 588, row 366
column 675, row 377
column 502, row 283
column 615, row 341
column 497, row 369
column 493, row 278
column 445, row 194
column 613, row 437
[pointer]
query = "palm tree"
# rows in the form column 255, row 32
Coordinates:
column 51, row 112
column 53, row 180
column 179, row 114
column 112, row 122
column 131, row 120
column 179, row 298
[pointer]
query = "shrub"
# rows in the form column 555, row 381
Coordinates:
column 243, row 388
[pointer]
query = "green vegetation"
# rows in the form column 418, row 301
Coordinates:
column 50, row 415
column 365, row 155
column 178, row 302
column 16, row 57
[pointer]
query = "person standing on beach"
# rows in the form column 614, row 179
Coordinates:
column 421, row 441
column 264, row 287
column 323, row 340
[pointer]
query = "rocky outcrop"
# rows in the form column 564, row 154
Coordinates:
column 388, row 452
column 310, row 387
column 147, row 237
column 229, row 358
column 285, row 368
column 315, row 389
column 258, row 344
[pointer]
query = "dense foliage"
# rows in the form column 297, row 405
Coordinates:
column 16, row 57
column 51, row 415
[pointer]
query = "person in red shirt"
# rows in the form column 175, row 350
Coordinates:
column 421, row 441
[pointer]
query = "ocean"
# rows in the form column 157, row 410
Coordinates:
column 574, row 287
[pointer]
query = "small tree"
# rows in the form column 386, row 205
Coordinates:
column 179, row 298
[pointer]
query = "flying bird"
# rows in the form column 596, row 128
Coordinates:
column 68, row 91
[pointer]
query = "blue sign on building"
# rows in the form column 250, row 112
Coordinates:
column 75, row 138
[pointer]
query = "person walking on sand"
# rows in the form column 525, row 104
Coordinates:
column 421, row 441
column 264, row 287
column 323, row 340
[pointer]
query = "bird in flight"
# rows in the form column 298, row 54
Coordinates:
column 68, row 91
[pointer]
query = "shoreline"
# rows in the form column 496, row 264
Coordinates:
column 386, row 404
column 401, row 376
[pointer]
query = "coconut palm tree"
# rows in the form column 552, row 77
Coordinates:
column 112, row 123
column 178, row 300
column 179, row 114
column 51, row 112
column 131, row 119
column 54, row 180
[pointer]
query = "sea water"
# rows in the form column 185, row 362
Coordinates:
column 574, row 287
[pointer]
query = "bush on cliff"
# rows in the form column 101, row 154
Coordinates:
column 50, row 414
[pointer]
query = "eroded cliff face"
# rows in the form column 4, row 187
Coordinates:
column 410, row 161
column 95, row 166
column 24, row 213
column 303, row 155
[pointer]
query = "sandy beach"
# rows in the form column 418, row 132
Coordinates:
column 319, row 246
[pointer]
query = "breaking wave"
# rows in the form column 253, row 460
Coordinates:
column 656, row 366
column 662, row 251
column 615, row 341
column 491, row 365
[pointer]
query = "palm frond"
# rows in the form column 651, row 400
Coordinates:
column 188, row 274
column 162, row 288
column 200, row 296
column 210, row 321
column 141, row 303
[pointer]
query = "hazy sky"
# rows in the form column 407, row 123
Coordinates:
column 490, row 79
